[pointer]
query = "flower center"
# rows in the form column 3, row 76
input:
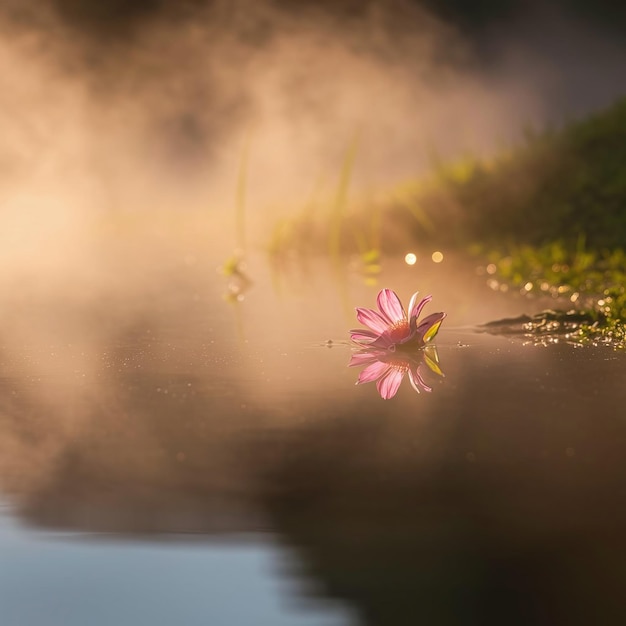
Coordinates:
column 400, row 330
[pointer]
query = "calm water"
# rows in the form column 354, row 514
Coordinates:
column 169, row 457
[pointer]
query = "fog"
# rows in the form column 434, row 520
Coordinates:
column 123, row 139
column 134, row 399
column 148, row 115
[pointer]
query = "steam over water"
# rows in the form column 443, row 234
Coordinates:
column 136, row 403
column 117, row 111
column 123, row 132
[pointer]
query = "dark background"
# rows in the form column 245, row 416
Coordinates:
column 475, row 19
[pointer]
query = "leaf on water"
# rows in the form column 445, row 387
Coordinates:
column 431, row 332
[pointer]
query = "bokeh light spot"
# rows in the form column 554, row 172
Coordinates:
column 410, row 259
column 437, row 256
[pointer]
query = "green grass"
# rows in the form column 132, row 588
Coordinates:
column 590, row 283
column 328, row 224
column 557, row 185
column 550, row 215
column 340, row 202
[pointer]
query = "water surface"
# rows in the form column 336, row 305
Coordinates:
column 167, row 455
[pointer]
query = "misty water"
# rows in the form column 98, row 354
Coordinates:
column 172, row 455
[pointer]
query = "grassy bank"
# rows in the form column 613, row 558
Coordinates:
column 559, row 185
column 549, row 215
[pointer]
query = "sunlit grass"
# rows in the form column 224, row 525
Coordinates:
column 332, row 225
column 548, row 214
column 554, row 186
column 591, row 283
column 340, row 202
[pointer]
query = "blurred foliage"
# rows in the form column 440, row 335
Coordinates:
column 556, row 186
column 331, row 224
column 550, row 215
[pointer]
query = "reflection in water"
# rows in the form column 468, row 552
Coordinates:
column 500, row 502
column 239, row 282
column 147, row 418
column 74, row 579
column 392, row 345
column 389, row 368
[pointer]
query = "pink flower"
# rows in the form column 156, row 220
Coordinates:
column 389, row 328
column 389, row 368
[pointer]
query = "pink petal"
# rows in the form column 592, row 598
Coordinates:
column 415, row 313
column 417, row 381
column 390, row 306
column 363, row 358
column 366, row 333
column 389, row 383
column 363, row 336
column 372, row 320
column 372, row 372
column 412, row 302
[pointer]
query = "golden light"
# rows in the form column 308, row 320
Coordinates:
column 410, row 259
column 437, row 256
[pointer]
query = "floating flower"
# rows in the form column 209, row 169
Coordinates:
column 390, row 328
column 389, row 368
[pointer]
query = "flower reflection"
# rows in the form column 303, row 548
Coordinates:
column 394, row 344
column 390, row 327
column 388, row 368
